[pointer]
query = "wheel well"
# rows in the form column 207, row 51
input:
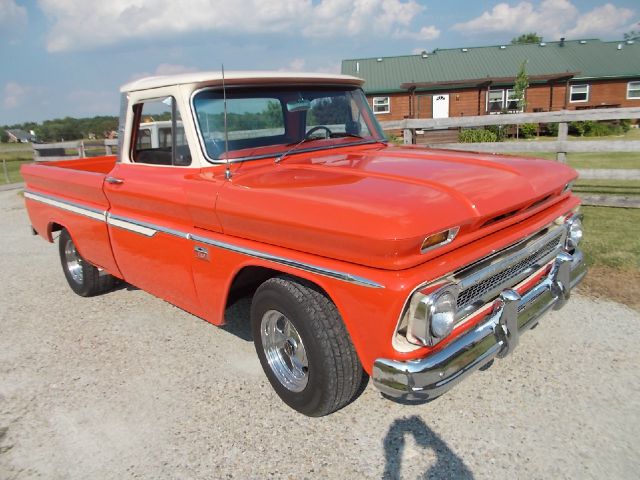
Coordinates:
column 54, row 227
column 248, row 279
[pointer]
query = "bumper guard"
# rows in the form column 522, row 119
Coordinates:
column 497, row 336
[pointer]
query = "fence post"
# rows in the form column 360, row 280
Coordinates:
column 107, row 148
column 563, row 130
column 81, row 149
column 6, row 172
column 408, row 136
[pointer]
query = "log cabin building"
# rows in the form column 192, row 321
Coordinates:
column 576, row 74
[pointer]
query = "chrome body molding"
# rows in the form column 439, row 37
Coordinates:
column 494, row 337
column 143, row 228
column 325, row 272
column 149, row 230
column 62, row 204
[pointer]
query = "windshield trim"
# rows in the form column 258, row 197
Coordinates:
column 222, row 161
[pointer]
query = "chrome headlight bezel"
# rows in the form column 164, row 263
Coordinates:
column 432, row 316
column 575, row 232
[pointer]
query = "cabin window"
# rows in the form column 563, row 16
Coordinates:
column 579, row 93
column 160, row 138
column 495, row 101
column 503, row 100
column 381, row 105
column 514, row 103
column 633, row 91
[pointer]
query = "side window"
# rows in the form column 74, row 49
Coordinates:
column 160, row 138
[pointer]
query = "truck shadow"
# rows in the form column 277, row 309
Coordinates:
column 447, row 465
column 237, row 318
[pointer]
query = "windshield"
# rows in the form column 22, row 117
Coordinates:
column 265, row 122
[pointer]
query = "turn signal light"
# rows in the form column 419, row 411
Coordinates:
column 439, row 239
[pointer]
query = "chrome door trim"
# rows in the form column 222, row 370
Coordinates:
column 67, row 205
column 131, row 225
column 325, row 272
column 149, row 230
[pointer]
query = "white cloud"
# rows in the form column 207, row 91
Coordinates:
column 601, row 21
column 429, row 32
column 551, row 18
column 295, row 65
column 14, row 94
column 163, row 69
column 81, row 24
column 12, row 17
column 357, row 17
column 300, row 65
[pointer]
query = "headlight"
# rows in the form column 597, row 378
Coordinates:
column 574, row 234
column 432, row 317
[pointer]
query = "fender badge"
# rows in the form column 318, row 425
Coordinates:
column 201, row 253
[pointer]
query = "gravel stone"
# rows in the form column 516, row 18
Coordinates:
column 125, row 385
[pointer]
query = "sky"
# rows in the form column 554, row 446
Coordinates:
column 69, row 57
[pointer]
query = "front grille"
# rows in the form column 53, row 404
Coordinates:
column 505, row 278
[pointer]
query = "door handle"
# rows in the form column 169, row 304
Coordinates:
column 113, row 180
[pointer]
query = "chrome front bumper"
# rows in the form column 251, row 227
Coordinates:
column 496, row 336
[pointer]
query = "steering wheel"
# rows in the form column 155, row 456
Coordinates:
column 315, row 129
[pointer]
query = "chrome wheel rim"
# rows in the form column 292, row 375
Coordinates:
column 285, row 352
column 74, row 262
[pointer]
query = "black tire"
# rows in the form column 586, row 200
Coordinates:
column 83, row 278
column 334, row 375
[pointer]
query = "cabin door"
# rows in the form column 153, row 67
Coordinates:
column 441, row 105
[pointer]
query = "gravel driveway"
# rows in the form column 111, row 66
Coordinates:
column 127, row 386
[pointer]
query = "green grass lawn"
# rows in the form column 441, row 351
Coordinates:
column 612, row 237
column 608, row 187
column 14, row 154
column 612, row 249
column 625, row 160
column 13, row 169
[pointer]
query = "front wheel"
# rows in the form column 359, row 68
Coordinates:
column 83, row 278
column 304, row 347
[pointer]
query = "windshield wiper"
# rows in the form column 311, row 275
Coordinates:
column 281, row 157
column 305, row 139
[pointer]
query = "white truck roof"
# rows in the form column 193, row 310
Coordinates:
column 240, row 78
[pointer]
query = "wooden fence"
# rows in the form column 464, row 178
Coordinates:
column 561, row 146
column 58, row 151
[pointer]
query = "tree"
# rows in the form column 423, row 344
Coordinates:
column 531, row 37
column 520, row 87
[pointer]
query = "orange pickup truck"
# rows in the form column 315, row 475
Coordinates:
column 411, row 266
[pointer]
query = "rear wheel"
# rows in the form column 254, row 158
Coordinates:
column 304, row 347
column 83, row 278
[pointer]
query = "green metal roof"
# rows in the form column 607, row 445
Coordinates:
column 591, row 58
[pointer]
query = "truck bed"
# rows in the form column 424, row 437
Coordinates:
column 70, row 193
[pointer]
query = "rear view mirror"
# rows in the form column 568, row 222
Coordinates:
column 300, row 105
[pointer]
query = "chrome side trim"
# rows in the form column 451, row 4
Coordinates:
column 73, row 207
column 346, row 277
column 130, row 225
column 149, row 230
column 143, row 228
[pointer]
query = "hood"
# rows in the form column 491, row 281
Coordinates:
column 375, row 205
